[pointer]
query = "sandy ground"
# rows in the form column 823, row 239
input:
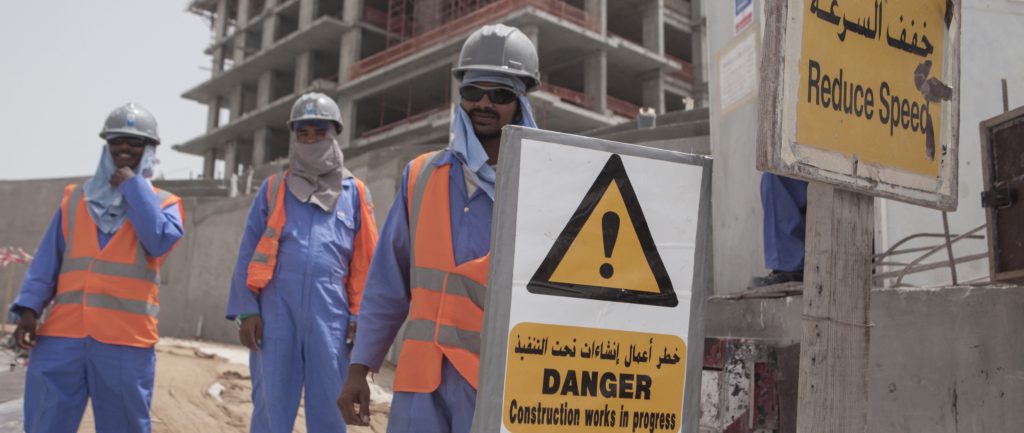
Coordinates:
column 200, row 387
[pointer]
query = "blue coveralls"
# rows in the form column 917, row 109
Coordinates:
column 784, row 201
column 305, row 311
column 64, row 372
column 386, row 305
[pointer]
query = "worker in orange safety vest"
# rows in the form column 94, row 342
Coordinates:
column 98, row 270
column 302, row 263
column 431, row 268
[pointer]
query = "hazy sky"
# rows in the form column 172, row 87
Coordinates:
column 68, row 63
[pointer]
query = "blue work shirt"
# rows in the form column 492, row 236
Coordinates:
column 387, row 294
column 313, row 260
column 157, row 229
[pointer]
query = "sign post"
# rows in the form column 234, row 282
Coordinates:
column 861, row 99
column 595, row 301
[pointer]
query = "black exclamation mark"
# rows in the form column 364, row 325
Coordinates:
column 610, row 229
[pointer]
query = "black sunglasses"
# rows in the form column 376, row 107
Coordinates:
column 131, row 141
column 497, row 95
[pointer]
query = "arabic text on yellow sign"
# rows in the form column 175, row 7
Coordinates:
column 858, row 94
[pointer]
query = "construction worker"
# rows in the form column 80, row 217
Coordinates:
column 300, row 273
column 435, row 249
column 784, row 202
column 98, row 269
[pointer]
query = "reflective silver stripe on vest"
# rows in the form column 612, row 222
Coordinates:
column 426, row 170
column 275, row 186
column 73, row 199
column 124, row 305
column 163, row 196
column 72, row 297
column 458, row 285
column 138, row 270
column 423, row 330
column 260, row 258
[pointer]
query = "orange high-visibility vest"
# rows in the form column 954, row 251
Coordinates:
column 264, row 259
column 109, row 294
column 446, row 313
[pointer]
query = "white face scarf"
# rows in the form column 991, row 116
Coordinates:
column 316, row 172
column 105, row 203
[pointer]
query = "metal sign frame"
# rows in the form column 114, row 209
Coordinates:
column 490, row 393
column 779, row 152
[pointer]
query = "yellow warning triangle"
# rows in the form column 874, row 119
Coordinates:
column 606, row 250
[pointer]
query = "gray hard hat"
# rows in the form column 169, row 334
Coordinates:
column 316, row 106
column 500, row 48
column 132, row 120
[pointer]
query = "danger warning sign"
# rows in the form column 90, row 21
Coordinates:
column 572, row 379
column 597, row 277
column 606, row 251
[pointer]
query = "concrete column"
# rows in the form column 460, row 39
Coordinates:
column 209, row 163
column 259, row 147
column 243, row 13
column 269, row 30
column 533, row 32
column 599, row 10
column 595, row 80
column 230, row 159
column 654, row 92
column 654, row 26
column 348, row 119
column 213, row 114
column 303, row 70
column 307, row 10
column 235, row 102
column 351, row 41
column 264, row 88
column 698, row 38
column 220, row 20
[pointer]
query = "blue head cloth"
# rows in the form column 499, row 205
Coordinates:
column 464, row 143
column 321, row 124
column 105, row 203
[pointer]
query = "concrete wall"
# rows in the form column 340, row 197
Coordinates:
column 942, row 360
column 990, row 50
column 736, row 200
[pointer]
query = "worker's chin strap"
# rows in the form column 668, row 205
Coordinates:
column 467, row 148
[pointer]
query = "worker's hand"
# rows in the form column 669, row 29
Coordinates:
column 25, row 333
column 350, row 339
column 356, row 390
column 122, row 174
column 251, row 332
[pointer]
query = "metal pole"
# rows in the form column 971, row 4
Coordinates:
column 1006, row 97
column 949, row 246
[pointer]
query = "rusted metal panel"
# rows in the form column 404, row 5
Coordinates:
column 739, row 392
column 1002, row 150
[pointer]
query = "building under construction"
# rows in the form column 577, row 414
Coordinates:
column 388, row 63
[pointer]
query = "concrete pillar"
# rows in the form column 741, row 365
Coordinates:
column 264, row 88
column 599, row 10
column 213, row 114
column 698, row 38
column 220, row 20
column 230, row 159
column 235, row 102
column 654, row 92
column 259, row 146
column 307, row 10
column 303, row 70
column 351, row 41
column 209, row 163
column 348, row 119
column 654, row 26
column 243, row 13
column 269, row 31
column 595, row 80
column 533, row 32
